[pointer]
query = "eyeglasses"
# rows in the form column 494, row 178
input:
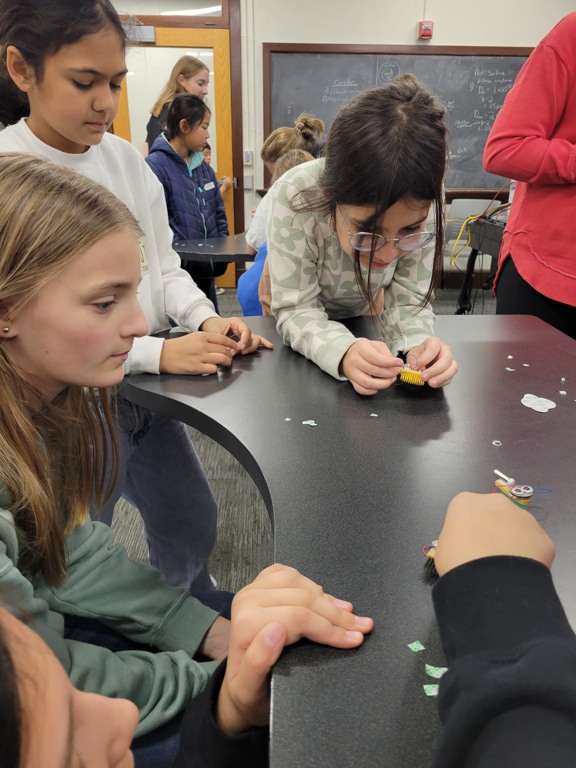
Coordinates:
column 366, row 242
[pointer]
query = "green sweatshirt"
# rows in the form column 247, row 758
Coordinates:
column 314, row 285
column 132, row 598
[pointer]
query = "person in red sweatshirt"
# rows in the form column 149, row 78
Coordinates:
column 533, row 140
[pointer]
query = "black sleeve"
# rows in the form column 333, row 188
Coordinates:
column 204, row 745
column 155, row 127
column 509, row 696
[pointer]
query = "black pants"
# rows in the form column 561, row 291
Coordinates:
column 203, row 274
column 515, row 297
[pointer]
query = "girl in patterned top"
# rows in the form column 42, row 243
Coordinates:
column 357, row 220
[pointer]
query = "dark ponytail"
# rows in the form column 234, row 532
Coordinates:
column 184, row 107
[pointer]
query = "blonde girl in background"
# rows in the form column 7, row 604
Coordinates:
column 189, row 75
column 305, row 135
column 344, row 227
column 249, row 281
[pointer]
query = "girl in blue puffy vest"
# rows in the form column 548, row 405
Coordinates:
column 195, row 205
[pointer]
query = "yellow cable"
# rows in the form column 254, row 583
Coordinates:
column 453, row 258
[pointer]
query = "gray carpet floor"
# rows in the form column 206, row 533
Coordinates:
column 244, row 544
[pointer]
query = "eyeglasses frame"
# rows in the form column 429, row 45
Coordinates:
column 397, row 240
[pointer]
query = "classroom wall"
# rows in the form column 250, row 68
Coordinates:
column 456, row 22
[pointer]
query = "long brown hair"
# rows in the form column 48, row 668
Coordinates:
column 305, row 134
column 52, row 459
column 385, row 144
column 187, row 66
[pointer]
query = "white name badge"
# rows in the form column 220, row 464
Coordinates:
column 210, row 185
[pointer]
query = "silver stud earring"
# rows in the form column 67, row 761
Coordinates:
column 6, row 329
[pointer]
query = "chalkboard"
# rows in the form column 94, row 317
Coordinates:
column 471, row 87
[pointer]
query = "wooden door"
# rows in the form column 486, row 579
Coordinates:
column 218, row 40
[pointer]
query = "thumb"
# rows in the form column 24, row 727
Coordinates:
column 249, row 690
column 260, row 656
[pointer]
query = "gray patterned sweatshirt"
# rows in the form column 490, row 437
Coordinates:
column 314, row 285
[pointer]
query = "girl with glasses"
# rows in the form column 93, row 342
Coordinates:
column 365, row 217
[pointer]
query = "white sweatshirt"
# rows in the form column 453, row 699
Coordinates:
column 166, row 290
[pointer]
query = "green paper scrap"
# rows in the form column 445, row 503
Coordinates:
column 310, row 423
column 373, row 414
column 435, row 671
column 431, row 690
column 416, row 646
column 288, row 418
column 510, row 369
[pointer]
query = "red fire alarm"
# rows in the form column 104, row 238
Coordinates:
column 425, row 30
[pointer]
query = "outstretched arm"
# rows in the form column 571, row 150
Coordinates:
column 509, row 697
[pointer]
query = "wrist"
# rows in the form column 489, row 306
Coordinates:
column 211, row 325
column 163, row 364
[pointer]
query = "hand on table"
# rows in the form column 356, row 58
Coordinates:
column 235, row 325
column 197, row 353
column 277, row 609
column 370, row 366
column 483, row 525
column 435, row 361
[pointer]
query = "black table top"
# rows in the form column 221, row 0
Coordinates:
column 231, row 248
column 354, row 499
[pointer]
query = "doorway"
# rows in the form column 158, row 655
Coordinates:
column 149, row 67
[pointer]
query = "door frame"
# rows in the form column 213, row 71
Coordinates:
column 231, row 20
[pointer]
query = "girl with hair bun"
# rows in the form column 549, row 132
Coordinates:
column 249, row 281
column 305, row 135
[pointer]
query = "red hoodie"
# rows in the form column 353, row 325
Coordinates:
column 534, row 141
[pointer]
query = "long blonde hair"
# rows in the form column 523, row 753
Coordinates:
column 306, row 135
column 187, row 66
column 52, row 460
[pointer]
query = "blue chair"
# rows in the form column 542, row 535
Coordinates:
column 248, row 284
